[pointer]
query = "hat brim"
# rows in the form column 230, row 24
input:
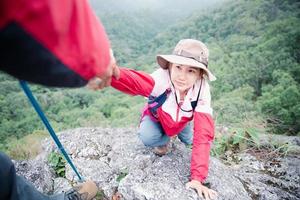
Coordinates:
column 163, row 61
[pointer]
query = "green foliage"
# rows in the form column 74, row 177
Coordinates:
column 100, row 195
column 122, row 175
column 282, row 149
column 24, row 148
column 238, row 140
column 235, row 107
column 58, row 163
column 281, row 103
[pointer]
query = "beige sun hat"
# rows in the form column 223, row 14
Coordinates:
column 188, row 52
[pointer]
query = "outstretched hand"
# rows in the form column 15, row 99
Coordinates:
column 104, row 80
column 201, row 189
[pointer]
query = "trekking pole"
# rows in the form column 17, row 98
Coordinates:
column 41, row 114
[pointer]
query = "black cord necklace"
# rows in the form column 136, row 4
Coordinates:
column 177, row 100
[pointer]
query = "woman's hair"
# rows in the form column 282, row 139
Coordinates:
column 203, row 73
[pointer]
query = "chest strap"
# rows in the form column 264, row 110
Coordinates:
column 155, row 102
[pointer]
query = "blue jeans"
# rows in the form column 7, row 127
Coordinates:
column 152, row 134
column 14, row 187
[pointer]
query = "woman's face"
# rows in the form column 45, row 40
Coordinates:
column 183, row 76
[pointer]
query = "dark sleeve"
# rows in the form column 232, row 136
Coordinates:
column 50, row 42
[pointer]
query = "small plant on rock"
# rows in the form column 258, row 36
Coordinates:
column 58, row 163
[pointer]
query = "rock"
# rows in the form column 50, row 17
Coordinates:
column 37, row 172
column 61, row 185
column 119, row 163
column 291, row 143
column 277, row 179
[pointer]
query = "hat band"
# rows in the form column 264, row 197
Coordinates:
column 186, row 54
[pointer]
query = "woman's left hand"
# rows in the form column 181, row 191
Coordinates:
column 201, row 189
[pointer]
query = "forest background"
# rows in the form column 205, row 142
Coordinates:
column 254, row 53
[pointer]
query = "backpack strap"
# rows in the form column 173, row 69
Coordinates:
column 155, row 102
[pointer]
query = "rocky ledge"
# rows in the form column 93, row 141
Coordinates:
column 120, row 164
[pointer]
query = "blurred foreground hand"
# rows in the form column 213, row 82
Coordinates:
column 104, row 80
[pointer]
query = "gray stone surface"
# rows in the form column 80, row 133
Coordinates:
column 276, row 179
column 106, row 155
column 61, row 185
column 37, row 172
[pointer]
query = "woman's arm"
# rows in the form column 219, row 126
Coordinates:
column 133, row 82
column 203, row 136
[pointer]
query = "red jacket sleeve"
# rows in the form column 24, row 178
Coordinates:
column 203, row 136
column 52, row 42
column 133, row 82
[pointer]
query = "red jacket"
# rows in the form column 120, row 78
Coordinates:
column 52, row 42
column 172, row 119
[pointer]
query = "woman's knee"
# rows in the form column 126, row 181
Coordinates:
column 150, row 132
column 147, row 138
column 186, row 136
